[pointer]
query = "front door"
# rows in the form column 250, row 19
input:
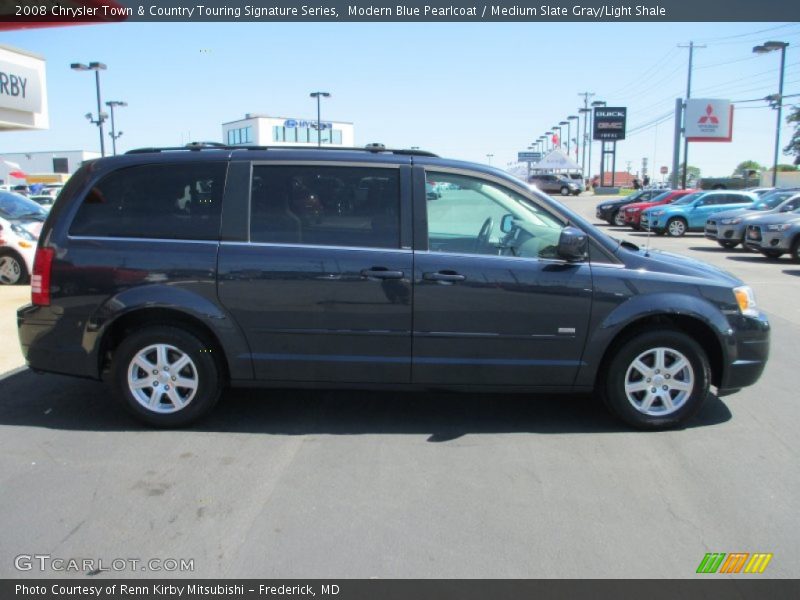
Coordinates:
column 493, row 303
column 322, row 289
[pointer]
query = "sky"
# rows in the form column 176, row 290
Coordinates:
column 461, row 90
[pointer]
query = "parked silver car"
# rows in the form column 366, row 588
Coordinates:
column 776, row 234
column 555, row 184
column 727, row 228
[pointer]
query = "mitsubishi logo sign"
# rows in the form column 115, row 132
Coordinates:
column 708, row 120
column 709, row 116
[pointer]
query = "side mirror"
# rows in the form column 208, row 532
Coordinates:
column 572, row 244
column 507, row 223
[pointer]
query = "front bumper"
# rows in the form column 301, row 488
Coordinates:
column 748, row 351
column 650, row 223
column 718, row 232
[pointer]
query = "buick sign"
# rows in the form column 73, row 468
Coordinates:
column 609, row 123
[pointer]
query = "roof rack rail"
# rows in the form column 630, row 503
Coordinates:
column 198, row 146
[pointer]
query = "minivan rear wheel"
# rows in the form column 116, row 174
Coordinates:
column 657, row 380
column 166, row 376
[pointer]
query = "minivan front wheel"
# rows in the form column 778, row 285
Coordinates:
column 166, row 376
column 657, row 380
column 565, row 191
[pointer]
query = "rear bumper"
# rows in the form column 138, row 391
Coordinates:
column 48, row 345
column 748, row 353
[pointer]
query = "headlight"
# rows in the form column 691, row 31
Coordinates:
column 732, row 221
column 779, row 227
column 746, row 300
column 23, row 233
column 634, row 210
column 603, row 207
column 656, row 213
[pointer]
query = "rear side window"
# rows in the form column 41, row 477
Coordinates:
column 165, row 201
column 328, row 206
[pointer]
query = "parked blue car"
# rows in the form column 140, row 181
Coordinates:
column 691, row 212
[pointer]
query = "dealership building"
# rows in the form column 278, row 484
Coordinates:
column 263, row 130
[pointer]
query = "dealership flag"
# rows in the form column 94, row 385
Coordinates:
column 17, row 172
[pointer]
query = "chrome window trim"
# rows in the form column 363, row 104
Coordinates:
column 139, row 239
column 318, row 246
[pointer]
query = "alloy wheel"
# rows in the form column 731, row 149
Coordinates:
column 10, row 270
column 659, row 381
column 162, row 378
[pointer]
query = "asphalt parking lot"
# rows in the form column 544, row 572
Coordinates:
column 361, row 484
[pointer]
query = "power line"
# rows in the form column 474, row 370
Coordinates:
column 740, row 35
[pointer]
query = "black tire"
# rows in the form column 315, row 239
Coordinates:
column 564, row 191
column 676, row 227
column 795, row 251
column 728, row 244
column 772, row 254
column 636, row 227
column 613, row 387
column 619, row 219
column 16, row 264
column 205, row 367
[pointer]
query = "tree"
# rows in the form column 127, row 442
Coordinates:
column 692, row 173
column 745, row 166
column 785, row 167
column 794, row 144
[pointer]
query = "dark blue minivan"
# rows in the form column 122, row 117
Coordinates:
column 173, row 273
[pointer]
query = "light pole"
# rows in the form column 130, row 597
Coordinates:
column 96, row 67
column 571, row 118
column 778, row 102
column 490, row 156
column 567, row 123
column 548, row 140
column 318, row 96
column 585, row 112
column 114, row 135
column 595, row 104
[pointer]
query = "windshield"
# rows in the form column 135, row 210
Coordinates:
column 688, row 199
column 14, row 206
column 660, row 197
column 771, row 200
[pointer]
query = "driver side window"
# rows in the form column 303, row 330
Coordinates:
column 468, row 215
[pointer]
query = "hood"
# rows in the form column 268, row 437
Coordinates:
column 737, row 212
column 770, row 218
column 659, row 261
column 617, row 202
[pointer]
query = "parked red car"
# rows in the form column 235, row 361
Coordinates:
column 633, row 212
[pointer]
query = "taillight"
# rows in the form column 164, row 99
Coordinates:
column 40, row 278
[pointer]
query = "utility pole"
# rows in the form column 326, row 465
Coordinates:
column 585, row 111
column 691, row 47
